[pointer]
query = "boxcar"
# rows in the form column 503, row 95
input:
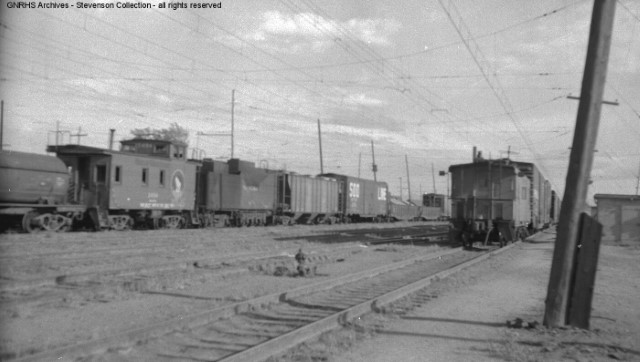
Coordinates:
column 554, row 212
column 361, row 200
column 434, row 206
column 540, row 195
column 147, row 183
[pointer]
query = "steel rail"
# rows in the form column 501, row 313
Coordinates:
column 133, row 336
column 281, row 344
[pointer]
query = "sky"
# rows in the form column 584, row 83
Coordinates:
column 423, row 80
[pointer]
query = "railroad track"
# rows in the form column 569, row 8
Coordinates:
column 184, row 262
column 138, row 278
column 266, row 326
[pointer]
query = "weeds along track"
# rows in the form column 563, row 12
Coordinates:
column 256, row 329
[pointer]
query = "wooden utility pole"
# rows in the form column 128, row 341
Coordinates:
column 359, row 162
column 433, row 175
column 320, row 142
column 638, row 181
column 59, row 134
column 406, row 162
column 580, row 162
column 1, row 122
column 374, row 167
column 233, row 104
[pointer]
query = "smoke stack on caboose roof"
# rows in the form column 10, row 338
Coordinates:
column 475, row 152
column 112, row 131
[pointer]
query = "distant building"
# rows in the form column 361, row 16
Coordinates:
column 619, row 216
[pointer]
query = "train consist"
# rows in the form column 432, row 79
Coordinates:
column 500, row 200
column 152, row 184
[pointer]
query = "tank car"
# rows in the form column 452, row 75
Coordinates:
column 147, row 183
column 34, row 192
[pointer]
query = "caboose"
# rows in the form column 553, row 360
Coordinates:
column 490, row 201
column 148, row 183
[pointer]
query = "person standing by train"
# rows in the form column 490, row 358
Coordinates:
column 301, row 259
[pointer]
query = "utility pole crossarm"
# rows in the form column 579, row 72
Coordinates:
column 79, row 134
column 611, row 103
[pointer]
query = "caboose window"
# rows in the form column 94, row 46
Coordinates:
column 161, row 181
column 117, row 177
column 145, row 174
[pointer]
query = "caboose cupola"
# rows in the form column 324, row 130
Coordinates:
column 159, row 148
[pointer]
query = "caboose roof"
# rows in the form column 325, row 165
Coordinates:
column 147, row 140
column 616, row 196
column 494, row 163
column 77, row 149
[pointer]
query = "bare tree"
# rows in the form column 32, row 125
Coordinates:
column 174, row 133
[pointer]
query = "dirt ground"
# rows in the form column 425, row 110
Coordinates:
column 461, row 318
column 32, row 327
column 465, row 317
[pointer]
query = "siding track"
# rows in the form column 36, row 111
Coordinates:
column 266, row 326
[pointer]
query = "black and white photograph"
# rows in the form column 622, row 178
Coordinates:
column 303, row 180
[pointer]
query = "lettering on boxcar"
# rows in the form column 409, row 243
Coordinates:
column 354, row 190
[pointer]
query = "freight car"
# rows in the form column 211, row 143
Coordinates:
column 306, row 199
column 33, row 193
column 404, row 210
column 434, row 206
column 361, row 200
column 498, row 200
column 151, row 184
column 235, row 193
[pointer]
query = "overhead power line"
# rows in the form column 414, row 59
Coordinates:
column 486, row 69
